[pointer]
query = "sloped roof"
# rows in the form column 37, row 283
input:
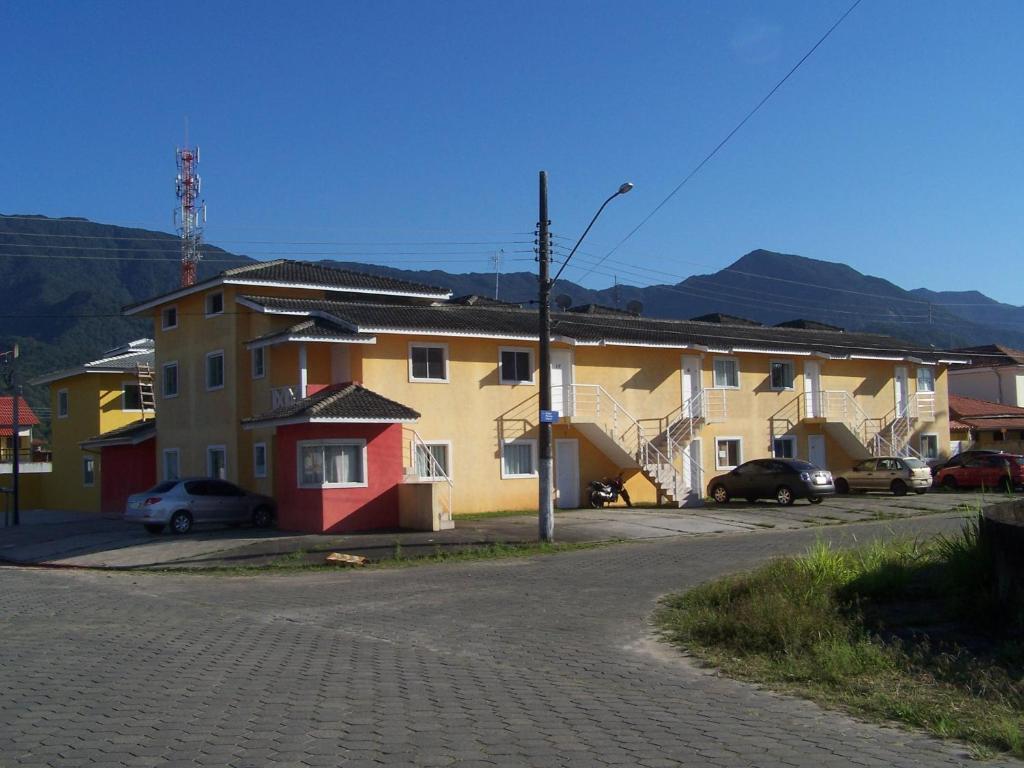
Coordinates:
column 984, row 414
column 314, row 329
column 123, row 358
column 130, row 434
column 26, row 416
column 992, row 356
column 339, row 403
column 513, row 323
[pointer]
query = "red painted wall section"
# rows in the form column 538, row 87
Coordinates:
column 124, row 470
column 337, row 510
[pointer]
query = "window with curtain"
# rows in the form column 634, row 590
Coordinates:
column 432, row 461
column 727, row 374
column 925, row 380
column 325, row 465
column 517, row 459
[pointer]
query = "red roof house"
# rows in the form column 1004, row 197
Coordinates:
column 26, row 416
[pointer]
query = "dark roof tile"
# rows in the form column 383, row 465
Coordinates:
column 340, row 402
column 331, row 278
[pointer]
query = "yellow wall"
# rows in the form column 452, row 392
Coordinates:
column 32, row 491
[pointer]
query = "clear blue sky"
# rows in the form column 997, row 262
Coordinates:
column 897, row 148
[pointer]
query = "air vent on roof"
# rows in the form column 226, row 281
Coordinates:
column 809, row 325
column 718, row 317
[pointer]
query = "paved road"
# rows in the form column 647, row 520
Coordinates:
column 542, row 661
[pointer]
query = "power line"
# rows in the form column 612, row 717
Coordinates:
column 170, row 239
column 735, row 130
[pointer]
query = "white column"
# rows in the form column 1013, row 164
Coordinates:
column 303, row 370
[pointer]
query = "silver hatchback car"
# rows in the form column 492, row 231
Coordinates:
column 180, row 504
column 895, row 474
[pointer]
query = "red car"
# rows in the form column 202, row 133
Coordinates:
column 1002, row 470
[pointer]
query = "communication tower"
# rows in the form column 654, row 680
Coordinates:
column 190, row 215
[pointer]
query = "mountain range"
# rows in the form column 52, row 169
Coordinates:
column 65, row 280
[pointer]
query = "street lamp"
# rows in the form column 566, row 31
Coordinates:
column 545, row 513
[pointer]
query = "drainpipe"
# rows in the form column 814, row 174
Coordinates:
column 303, row 371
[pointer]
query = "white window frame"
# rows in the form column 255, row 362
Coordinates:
column 792, row 378
column 739, row 458
column 431, row 345
column 714, row 373
column 530, row 365
column 163, row 318
column 448, row 469
column 791, row 439
column 917, row 378
column 124, row 396
column 163, row 379
column 208, row 300
column 533, row 458
column 320, row 443
column 209, row 464
column 177, row 460
column 261, row 352
column 223, row 370
column 920, row 443
column 86, row 460
column 63, row 414
column 255, row 464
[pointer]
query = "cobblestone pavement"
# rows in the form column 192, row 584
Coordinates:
column 545, row 661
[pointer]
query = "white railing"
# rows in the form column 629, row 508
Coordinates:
column 282, row 397
column 421, row 457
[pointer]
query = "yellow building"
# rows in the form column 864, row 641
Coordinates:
column 263, row 349
column 86, row 401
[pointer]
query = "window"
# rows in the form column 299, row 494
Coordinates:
column 332, row 464
column 217, row 461
column 259, row 362
column 727, row 373
column 172, row 464
column 169, row 318
column 62, row 403
column 88, row 471
column 929, row 446
column 259, row 460
column 728, row 452
column 782, row 374
column 170, row 380
column 784, row 447
column 432, row 461
column 925, row 380
column 131, row 397
column 998, row 435
column 215, row 370
column 214, row 304
column 428, row 363
column 516, row 366
column 519, row 459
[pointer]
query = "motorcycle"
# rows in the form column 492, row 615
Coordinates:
column 607, row 491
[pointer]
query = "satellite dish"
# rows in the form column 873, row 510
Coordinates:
column 563, row 301
column 635, row 307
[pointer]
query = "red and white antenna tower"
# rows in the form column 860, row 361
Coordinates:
column 190, row 215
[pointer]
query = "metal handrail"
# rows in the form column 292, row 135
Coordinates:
column 436, row 470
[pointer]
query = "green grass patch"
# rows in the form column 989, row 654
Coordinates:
column 496, row 513
column 902, row 631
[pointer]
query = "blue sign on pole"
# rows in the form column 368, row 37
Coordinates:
column 549, row 417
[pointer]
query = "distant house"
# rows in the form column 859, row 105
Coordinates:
column 87, row 402
column 978, row 423
column 995, row 374
column 27, row 419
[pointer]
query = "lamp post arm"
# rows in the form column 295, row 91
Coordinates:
column 585, row 231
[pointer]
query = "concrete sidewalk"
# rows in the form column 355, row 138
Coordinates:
column 77, row 539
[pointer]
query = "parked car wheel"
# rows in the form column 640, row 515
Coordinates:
column 898, row 487
column 949, row 482
column 262, row 517
column 181, row 522
column 720, row 494
column 784, row 495
column 154, row 528
column 842, row 486
column 815, row 499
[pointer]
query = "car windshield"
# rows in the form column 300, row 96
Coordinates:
column 163, row 487
column 915, row 463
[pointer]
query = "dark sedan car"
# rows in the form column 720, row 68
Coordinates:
column 784, row 480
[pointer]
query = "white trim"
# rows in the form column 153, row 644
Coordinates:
column 792, row 367
column 530, row 365
column 284, row 422
column 723, row 438
column 262, row 374
column 714, row 382
column 949, row 361
column 920, row 444
column 163, row 464
column 163, row 380
column 448, row 457
column 206, row 304
column 209, row 464
column 282, row 339
column 67, row 403
column 791, row 439
column 878, row 357
column 266, row 460
column 428, row 345
column 223, row 370
column 95, row 463
column 163, row 317
column 532, row 442
column 797, row 353
column 313, row 443
column 336, row 288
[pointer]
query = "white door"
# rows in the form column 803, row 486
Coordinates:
column 691, row 382
column 812, row 389
column 900, row 384
column 561, row 381
column 816, row 450
column 567, row 473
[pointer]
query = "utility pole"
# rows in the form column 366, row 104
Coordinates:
column 545, row 513
column 10, row 362
column 496, row 259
